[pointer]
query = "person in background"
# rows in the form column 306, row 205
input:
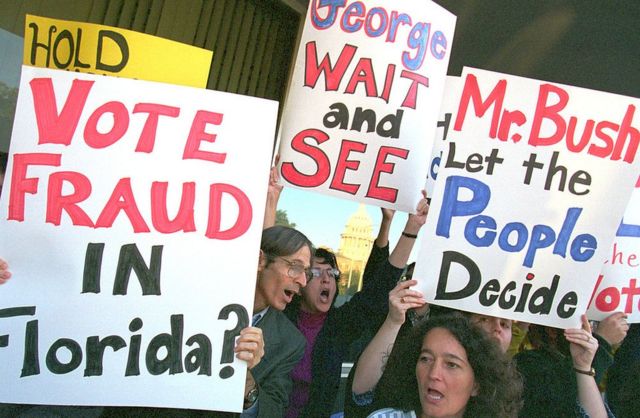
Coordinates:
column 370, row 369
column 330, row 331
column 558, row 377
column 447, row 367
column 623, row 380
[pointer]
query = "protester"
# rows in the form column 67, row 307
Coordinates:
column 623, row 381
column 559, row 380
column 283, row 270
column 610, row 332
column 447, row 367
column 330, row 331
column 369, row 368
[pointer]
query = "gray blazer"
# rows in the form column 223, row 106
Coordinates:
column 283, row 349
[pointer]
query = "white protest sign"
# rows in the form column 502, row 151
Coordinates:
column 448, row 108
column 362, row 108
column 618, row 286
column 131, row 220
column 524, row 210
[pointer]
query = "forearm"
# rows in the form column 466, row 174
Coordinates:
column 400, row 254
column 270, row 211
column 382, row 240
column 589, row 396
column 370, row 364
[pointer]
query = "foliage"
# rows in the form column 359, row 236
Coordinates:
column 283, row 219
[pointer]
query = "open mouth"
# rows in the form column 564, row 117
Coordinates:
column 289, row 294
column 324, row 295
column 434, row 395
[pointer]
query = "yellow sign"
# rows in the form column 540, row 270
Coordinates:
column 99, row 49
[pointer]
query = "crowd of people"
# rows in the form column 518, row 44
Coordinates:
column 418, row 360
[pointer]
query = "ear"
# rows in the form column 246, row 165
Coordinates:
column 476, row 389
column 262, row 261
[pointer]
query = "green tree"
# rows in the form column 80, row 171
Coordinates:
column 283, row 219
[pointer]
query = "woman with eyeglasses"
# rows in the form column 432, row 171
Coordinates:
column 329, row 330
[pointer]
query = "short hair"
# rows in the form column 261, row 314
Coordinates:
column 279, row 240
column 499, row 384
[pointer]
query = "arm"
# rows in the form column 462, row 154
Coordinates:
column 401, row 252
column 273, row 195
column 380, row 247
column 382, row 240
column 5, row 274
column 610, row 332
column 250, row 348
column 583, row 348
column 370, row 364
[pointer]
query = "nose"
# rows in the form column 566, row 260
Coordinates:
column 301, row 279
column 495, row 326
column 435, row 370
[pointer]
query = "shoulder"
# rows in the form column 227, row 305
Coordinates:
column 277, row 328
column 392, row 413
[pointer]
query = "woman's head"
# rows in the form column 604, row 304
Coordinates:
column 322, row 288
column 459, row 371
column 284, row 266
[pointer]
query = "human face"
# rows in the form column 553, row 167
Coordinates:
column 497, row 328
column 275, row 287
column 318, row 295
column 445, row 377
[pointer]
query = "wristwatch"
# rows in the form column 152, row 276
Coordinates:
column 251, row 397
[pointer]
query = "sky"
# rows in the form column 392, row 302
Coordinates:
column 323, row 218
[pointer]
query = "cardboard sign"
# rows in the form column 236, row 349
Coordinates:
column 99, row 49
column 131, row 218
column 618, row 286
column 529, row 196
column 362, row 109
column 448, row 109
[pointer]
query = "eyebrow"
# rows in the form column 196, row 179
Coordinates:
column 446, row 355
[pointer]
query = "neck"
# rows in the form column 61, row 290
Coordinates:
column 258, row 303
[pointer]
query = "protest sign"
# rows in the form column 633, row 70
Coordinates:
column 99, row 49
column 529, row 195
column 448, row 108
column 131, row 217
column 362, row 108
column 618, row 286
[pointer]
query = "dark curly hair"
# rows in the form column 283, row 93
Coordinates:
column 500, row 385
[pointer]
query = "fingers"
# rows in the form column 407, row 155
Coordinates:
column 586, row 325
column 250, row 346
column 408, row 298
column 5, row 274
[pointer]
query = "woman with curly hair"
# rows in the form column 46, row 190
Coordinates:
column 456, row 371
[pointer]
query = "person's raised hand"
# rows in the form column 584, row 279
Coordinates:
column 387, row 214
column 582, row 344
column 416, row 220
column 250, row 346
column 401, row 299
column 613, row 328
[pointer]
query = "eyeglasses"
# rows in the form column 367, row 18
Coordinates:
column 296, row 269
column 331, row 272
